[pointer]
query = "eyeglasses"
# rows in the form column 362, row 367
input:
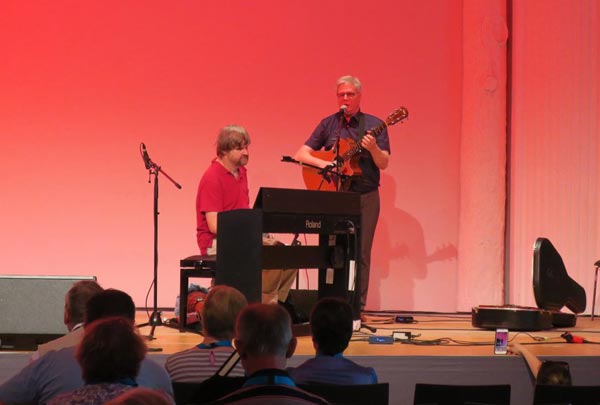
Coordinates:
column 348, row 95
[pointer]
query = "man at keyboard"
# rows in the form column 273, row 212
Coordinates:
column 224, row 187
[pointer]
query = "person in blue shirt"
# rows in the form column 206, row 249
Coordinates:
column 331, row 329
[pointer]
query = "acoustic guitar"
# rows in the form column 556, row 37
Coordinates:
column 347, row 164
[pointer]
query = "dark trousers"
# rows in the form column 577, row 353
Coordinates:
column 369, row 206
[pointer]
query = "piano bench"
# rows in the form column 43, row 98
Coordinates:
column 199, row 266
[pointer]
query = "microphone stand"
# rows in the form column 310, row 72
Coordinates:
column 597, row 264
column 325, row 173
column 337, row 166
column 154, row 170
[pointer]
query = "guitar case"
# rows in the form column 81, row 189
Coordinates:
column 552, row 288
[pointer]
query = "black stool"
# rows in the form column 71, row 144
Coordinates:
column 202, row 266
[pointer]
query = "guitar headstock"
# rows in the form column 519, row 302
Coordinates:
column 399, row 114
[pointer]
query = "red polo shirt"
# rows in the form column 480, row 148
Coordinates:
column 218, row 191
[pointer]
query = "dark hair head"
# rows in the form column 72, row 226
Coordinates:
column 111, row 349
column 554, row 373
column 110, row 302
column 77, row 298
column 331, row 325
column 221, row 308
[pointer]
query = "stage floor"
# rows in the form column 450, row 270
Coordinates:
column 446, row 350
column 435, row 335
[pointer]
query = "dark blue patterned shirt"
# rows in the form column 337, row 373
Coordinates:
column 324, row 136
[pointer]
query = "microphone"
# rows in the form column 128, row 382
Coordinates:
column 343, row 108
column 145, row 156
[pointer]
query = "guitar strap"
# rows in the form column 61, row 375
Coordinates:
column 361, row 126
column 228, row 365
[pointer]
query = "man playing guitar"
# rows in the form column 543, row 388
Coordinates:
column 361, row 156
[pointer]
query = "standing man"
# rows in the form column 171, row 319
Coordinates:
column 224, row 187
column 351, row 123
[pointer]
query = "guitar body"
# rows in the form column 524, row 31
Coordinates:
column 315, row 181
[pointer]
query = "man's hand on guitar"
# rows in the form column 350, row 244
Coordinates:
column 329, row 167
column 368, row 142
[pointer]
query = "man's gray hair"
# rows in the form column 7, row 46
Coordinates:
column 350, row 80
column 264, row 329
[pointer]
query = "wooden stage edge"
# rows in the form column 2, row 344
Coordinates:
column 457, row 354
column 434, row 334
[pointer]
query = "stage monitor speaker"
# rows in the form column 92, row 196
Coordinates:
column 32, row 309
column 304, row 301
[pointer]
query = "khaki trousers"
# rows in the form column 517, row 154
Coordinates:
column 276, row 283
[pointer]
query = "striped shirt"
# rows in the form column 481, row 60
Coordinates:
column 196, row 365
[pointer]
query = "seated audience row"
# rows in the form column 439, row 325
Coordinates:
column 58, row 371
column 107, row 358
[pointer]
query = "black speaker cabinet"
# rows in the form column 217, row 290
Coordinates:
column 32, row 309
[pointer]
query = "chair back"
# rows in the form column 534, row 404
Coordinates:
column 432, row 394
column 564, row 394
column 376, row 394
column 207, row 391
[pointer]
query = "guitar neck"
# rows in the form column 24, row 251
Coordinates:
column 356, row 148
column 377, row 130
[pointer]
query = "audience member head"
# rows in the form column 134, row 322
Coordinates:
column 264, row 337
column 76, row 300
column 221, row 308
column 554, row 373
column 110, row 302
column 331, row 325
column 141, row 396
column 232, row 137
column 110, row 350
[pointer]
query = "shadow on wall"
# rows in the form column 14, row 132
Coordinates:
column 399, row 254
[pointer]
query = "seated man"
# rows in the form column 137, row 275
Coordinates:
column 220, row 310
column 75, row 301
column 264, row 341
column 224, row 187
column 331, row 329
column 58, row 371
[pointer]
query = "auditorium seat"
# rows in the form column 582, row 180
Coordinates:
column 374, row 394
column 206, row 391
column 433, row 394
column 561, row 394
